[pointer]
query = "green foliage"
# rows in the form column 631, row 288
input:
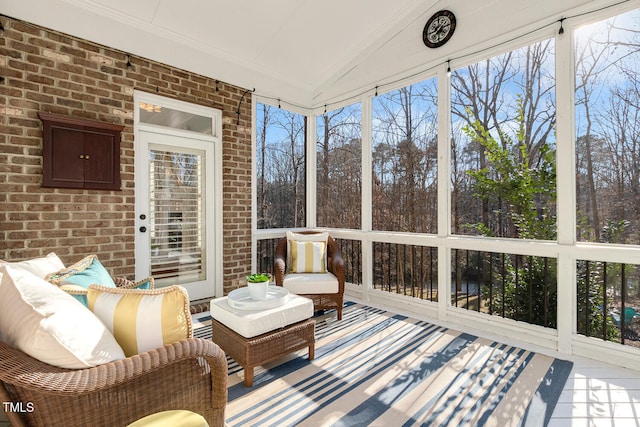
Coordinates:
column 525, row 194
column 613, row 231
column 593, row 318
column 526, row 290
column 594, row 301
column 258, row 278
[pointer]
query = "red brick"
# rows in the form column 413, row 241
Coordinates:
column 54, row 72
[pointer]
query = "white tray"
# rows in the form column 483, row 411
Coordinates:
column 240, row 299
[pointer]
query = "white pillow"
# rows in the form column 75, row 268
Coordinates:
column 50, row 325
column 38, row 266
column 303, row 237
column 308, row 257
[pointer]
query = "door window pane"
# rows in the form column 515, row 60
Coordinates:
column 176, row 119
column 176, row 216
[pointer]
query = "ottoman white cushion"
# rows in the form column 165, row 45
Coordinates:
column 249, row 323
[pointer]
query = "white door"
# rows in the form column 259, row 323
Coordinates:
column 178, row 232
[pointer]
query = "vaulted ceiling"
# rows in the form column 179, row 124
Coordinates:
column 307, row 52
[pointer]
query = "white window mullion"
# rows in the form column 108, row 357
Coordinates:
column 444, row 189
column 367, row 197
column 312, row 184
column 254, row 185
column 566, row 187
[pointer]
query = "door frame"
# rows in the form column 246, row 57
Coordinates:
column 213, row 170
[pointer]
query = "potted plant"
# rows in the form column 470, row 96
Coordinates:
column 258, row 284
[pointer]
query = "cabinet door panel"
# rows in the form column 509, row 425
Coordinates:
column 101, row 169
column 65, row 165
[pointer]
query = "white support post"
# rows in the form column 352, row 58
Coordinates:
column 444, row 190
column 566, row 189
column 367, row 197
column 311, row 172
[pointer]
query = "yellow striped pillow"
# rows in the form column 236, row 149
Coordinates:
column 308, row 257
column 142, row 320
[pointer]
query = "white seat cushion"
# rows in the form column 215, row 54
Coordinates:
column 311, row 283
column 251, row 323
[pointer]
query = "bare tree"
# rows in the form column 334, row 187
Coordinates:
column 280, row 168
column 405, row 159
column 339, row 148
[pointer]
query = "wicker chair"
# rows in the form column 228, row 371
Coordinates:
column 335, row 266
column 190, row 374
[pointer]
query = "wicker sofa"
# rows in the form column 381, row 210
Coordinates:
column 187, row 374
column 190, row 374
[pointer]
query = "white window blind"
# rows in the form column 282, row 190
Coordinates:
column 176, row 216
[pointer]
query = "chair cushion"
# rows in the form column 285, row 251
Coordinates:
column 77, row 278
column 143, row 320
column 311, row 283
column 171, row 418
column 50, row 325
column 308, row 257
column 40, row 267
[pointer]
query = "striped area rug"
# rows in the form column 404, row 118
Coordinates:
column 376, row 368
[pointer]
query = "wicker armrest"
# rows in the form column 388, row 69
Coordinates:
column 122, row 282
column 190, row 374
column 336, row 263
column 280, row 262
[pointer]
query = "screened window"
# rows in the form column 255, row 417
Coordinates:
column 404, row 159
column 503, row 145
column 280, row 167
column 339, row 167
column 608, row 130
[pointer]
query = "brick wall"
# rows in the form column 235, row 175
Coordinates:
column 49, row 71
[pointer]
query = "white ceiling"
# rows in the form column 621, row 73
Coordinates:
column 306, row 52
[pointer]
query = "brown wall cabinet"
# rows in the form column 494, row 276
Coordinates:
column 79, row 153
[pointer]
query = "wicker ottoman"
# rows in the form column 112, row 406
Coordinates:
column 253, row 338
